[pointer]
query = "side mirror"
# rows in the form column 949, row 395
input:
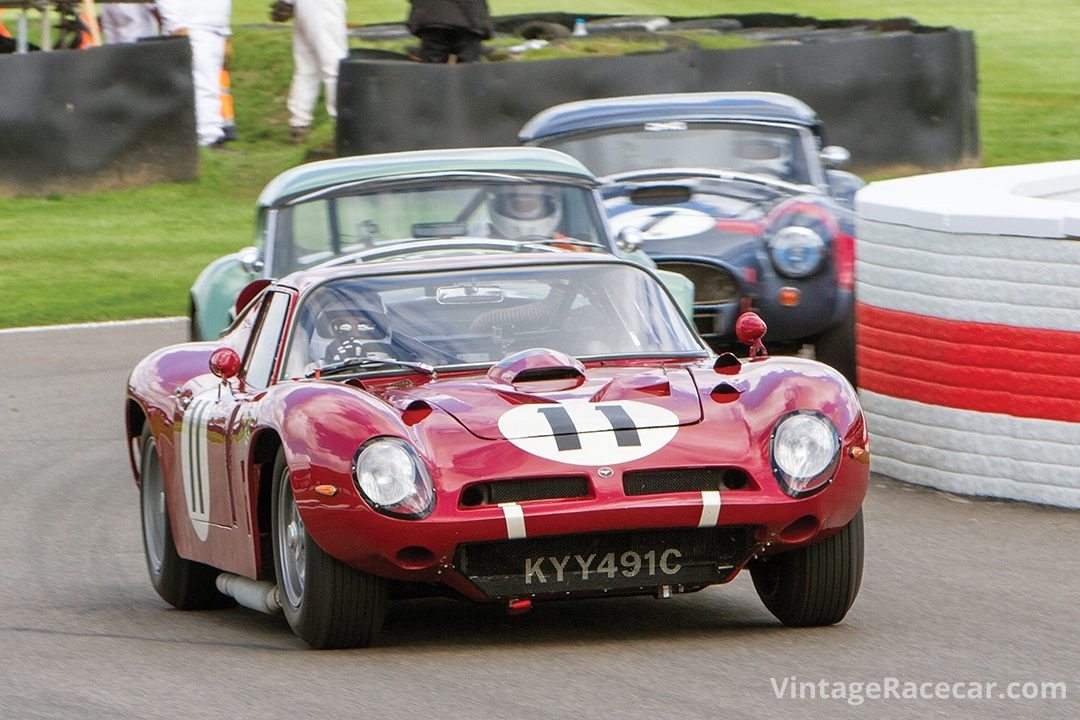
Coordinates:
column 225, row 363
column 251, row 260
column 750, row 328
column 834, row 156
column 629, row 240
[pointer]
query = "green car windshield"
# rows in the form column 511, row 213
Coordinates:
column 479, row 316
column 312, row 231
column 756, row 149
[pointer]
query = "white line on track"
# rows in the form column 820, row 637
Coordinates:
column 92, row 326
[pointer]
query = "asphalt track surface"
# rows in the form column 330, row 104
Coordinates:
column 955, row 590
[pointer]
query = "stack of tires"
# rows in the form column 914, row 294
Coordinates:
column 968, row 330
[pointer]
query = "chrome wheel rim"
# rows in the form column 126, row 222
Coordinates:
column 153, row 507
column 291, row 543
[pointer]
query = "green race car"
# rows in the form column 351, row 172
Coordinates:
column 430, row 203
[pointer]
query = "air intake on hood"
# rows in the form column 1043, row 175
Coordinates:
column 538, row 365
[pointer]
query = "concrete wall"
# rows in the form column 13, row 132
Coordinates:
column 968, row 317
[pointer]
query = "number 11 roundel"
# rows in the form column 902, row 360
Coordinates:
column 580, row 432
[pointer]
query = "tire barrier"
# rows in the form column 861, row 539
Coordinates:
column 104, row 118
column 897, row 94
column 968, row 330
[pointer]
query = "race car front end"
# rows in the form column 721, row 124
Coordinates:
column 611, row 500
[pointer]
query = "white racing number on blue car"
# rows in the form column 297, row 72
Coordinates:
column 661, row 223
column 579, row 432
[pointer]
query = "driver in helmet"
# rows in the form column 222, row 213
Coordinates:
column 765, row 154
column 359, row 333
column 522, row 212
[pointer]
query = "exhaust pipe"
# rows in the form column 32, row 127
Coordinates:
column 261, row 595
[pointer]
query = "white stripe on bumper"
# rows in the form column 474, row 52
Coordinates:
column 515, row 520
column 710, row 508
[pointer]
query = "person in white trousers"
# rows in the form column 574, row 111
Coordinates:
column 320, row 41
column 206, row 24
column 127, row 23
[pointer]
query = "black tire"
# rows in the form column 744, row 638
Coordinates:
column 814, row 585
column 540, row 30
column 327, row 603
column 836, row 347
column 184, row 584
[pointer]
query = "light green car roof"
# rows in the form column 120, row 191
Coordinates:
column 327, row 173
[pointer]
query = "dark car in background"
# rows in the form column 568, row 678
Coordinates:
column 738, row 192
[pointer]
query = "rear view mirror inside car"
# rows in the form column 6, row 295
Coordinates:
column 469, row 294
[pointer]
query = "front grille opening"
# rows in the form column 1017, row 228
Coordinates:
column 713, row 285
column 523, row 490
column 673, row 480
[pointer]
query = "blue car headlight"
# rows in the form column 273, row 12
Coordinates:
column 797, row 251
column 805, row 452
column 393, row 479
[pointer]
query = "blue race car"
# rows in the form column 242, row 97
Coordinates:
column 736, row 191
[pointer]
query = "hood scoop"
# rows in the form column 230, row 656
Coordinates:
column 624, row 387
column 538, row 370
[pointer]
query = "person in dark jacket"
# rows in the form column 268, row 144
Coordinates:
column 450, row 27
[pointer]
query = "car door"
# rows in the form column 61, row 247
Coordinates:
column 260, row 361
column 208, row 430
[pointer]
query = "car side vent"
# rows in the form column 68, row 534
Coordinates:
column 672, row 480
column 524, row 489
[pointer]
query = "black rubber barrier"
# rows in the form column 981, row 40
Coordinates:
column 104, row 118
column 898, row 95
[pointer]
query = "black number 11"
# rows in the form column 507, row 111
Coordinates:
column 566, row 433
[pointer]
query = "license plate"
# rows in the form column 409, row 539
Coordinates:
column 609, row 561
column 665, row 563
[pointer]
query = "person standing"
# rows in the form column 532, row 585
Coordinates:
column 207, row 25
column 127, row 23
column 450, row 27
column 320, row 42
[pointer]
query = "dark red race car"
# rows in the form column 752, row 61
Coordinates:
column 510, row 427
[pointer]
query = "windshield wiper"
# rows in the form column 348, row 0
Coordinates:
column 364, row 362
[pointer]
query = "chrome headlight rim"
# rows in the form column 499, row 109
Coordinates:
column 811, row 239
column 801, row 487
column 423, row 489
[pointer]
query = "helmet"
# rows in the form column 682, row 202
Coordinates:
column 524, row 210
column 765, row 154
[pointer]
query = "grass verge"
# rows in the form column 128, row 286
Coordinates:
column 117, row 255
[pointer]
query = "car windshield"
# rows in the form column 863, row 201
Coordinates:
column 756, row 149
column 313, row 231
column 479, row 316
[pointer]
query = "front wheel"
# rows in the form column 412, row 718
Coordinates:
column 327, row 603
column 814, row 585
column 184, row 584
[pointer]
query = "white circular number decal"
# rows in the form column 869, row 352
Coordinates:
column 580, row 432
column 663, row 223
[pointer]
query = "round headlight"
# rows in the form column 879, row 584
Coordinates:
column 393, row 479
column 805, row 451
column 797, row 251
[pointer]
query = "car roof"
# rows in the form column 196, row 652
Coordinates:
column 687, row 107
column 316, row 176
column 303, row 279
